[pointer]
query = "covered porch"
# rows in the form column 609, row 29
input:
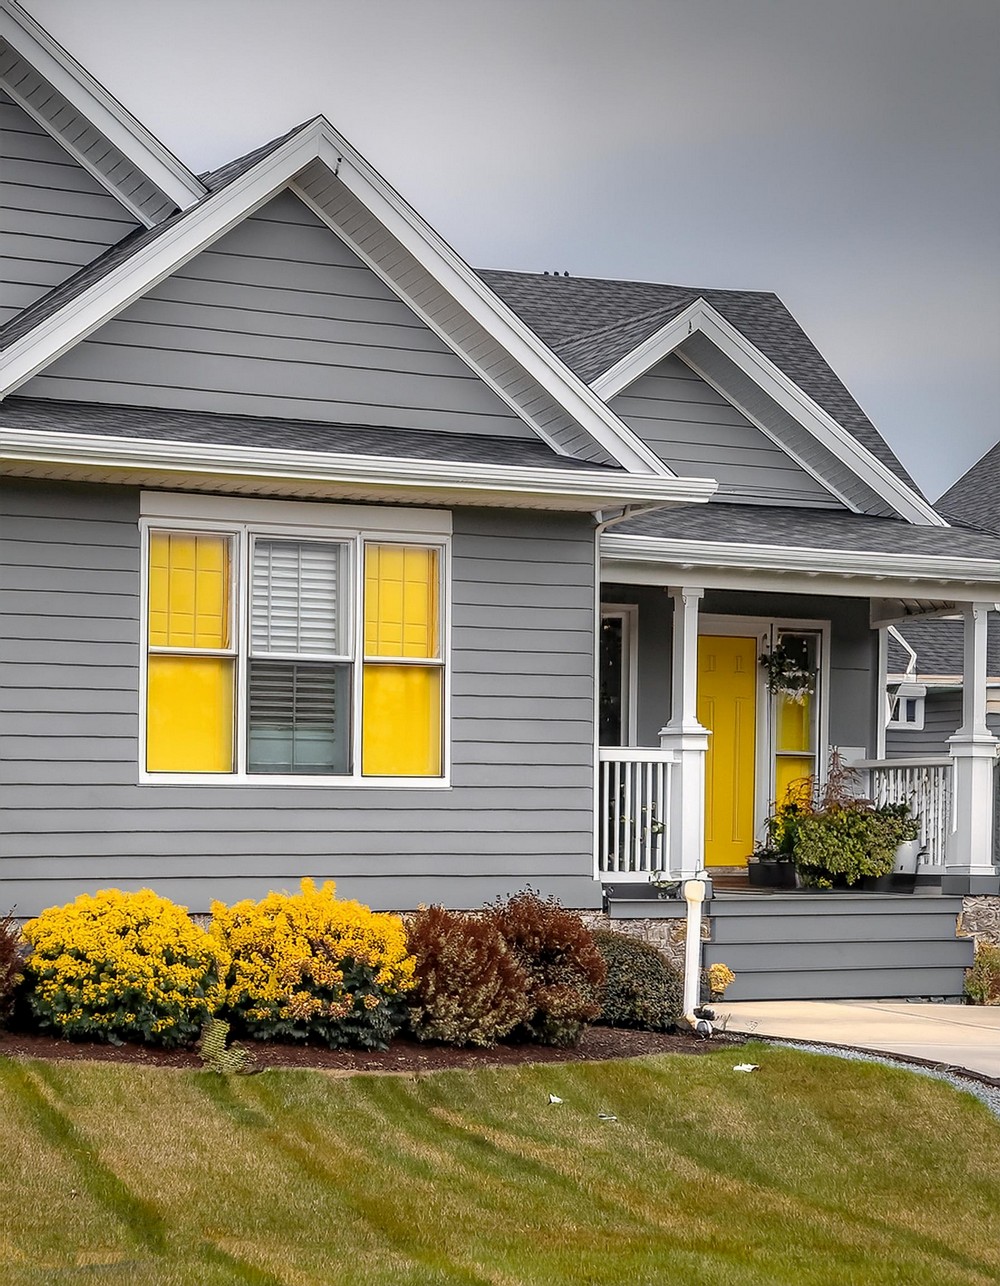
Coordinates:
column 697, row 742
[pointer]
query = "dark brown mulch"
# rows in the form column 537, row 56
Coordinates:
column 402, row 1056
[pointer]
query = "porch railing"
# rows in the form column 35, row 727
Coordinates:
column 924, row 784
column 634, row 812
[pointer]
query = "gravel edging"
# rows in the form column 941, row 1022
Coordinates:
column 984, row 1088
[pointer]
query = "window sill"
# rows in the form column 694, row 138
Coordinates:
column 272, row 780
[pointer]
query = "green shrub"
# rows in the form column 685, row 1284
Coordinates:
column 564, row 969
column 982, row 981
column 306, row 966
column 11, row 964
column 850, row 843
column 122, row 966
column 643, row 989
column 470, row 990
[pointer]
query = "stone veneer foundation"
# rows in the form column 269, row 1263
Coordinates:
column 980, row 919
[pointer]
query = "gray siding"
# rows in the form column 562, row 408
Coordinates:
column 699, row 434
column 724, row 373
column 519, row 809
column 942, row 716
column 54, row 215
column 280, row 318
column 361, row 229
column 79, row 136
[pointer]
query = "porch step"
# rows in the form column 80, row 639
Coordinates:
column 839, row 946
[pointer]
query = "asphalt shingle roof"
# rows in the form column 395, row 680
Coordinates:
column 804, row 528
column 295, row 435
column 939, row 645
column 592, row 323
column 974, row 500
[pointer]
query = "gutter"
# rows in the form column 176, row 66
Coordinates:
column 599, row 489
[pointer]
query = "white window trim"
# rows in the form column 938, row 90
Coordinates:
column 896, row 700
column 242, row 520
column 628, row 613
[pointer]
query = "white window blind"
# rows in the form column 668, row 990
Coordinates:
column 298, row 606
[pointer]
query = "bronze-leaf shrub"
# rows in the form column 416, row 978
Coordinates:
column 565, row 971
column 307, row 966
column 122, row 966
column 11, row 964
column 643, row 989
column 470, row 988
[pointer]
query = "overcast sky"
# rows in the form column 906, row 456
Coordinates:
column 843, row 153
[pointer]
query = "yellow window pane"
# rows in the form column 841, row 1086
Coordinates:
column 794, row 723
column 188, row 590
column 189, row 721
column 789, row 769
column 401, row 724
column 401, row 601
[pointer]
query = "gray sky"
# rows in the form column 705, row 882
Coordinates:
column 843, row 153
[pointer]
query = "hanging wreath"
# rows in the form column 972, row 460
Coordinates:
column 786, row 674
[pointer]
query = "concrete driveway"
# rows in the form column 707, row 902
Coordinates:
column 958, row 1035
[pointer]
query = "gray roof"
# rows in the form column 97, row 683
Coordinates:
column 592, row 323
column 939, row 646
column 804, row 528
column 294, row 435
column 215, row 181
column 974, row 500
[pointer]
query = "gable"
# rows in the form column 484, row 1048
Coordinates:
column 696, row 431
column 55, row 217
column 280, row 318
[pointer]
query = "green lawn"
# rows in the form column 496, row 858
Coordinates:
column 811, row 1170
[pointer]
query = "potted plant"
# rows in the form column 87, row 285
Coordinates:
column 843, row 840
column 772, row 863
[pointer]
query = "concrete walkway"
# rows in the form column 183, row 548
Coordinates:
column 958, row 1035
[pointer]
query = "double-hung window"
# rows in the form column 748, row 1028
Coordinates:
column 293, row 654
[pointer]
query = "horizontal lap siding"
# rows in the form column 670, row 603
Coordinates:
column 280, row 318
column 699, row 434
column 54, row 215
column 74, row 818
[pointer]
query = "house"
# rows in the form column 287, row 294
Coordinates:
column 326, row 555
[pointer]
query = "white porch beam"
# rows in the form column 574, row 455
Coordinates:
column 969, row 864
column 688, row 740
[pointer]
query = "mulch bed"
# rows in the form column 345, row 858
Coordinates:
column 403, row 1056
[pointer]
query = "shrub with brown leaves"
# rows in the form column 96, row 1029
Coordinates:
column 11, row 963
column 470, row 990
column 564, row 968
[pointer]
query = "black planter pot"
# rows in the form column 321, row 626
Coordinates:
column 876, row 884
column 759, row 873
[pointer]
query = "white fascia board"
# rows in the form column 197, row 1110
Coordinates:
column 102, row 109
column 702, row 317
column 598, row 490
column 902, row 570
column 472, row 293
column 86, row 312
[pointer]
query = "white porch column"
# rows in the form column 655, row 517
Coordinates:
column 969, row 859
column 685, row 736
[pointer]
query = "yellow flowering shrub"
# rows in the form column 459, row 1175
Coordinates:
column 307, row 966
column 122, row 966
column 720, row 976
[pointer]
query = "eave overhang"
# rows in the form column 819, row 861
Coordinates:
column 324, row 475
column 904, row 578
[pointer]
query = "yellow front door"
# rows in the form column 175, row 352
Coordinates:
column 727, row 705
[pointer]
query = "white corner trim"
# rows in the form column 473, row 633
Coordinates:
column 102, row 109
column 700, row 316
column 597, row 488
column 831, row 562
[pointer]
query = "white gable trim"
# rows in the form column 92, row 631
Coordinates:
column 702, row 317
column 101, row 109
column 216, row 214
